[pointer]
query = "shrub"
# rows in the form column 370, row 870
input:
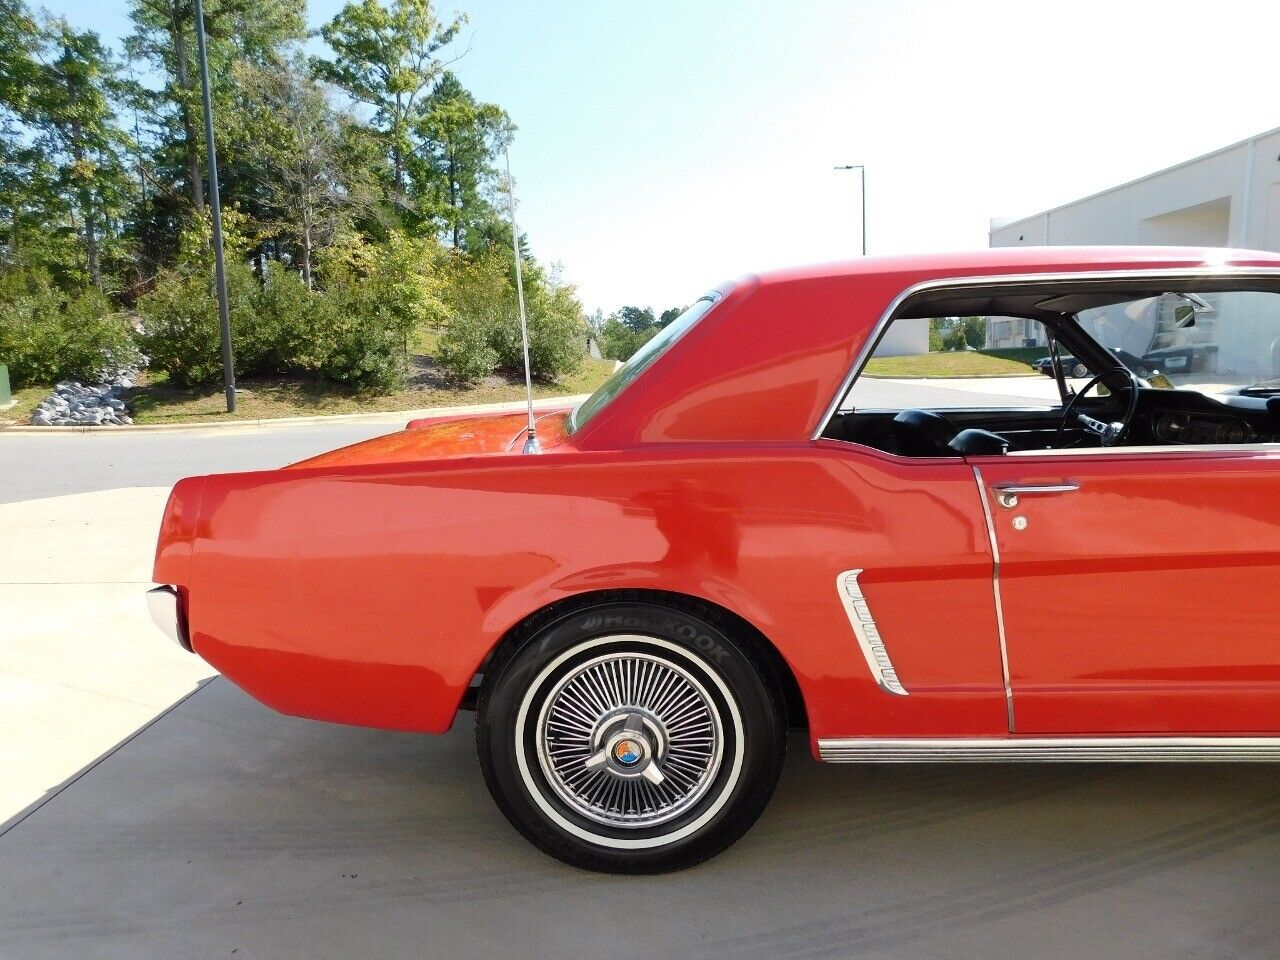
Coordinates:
column 181, row 330
column 47, row 335
column 557, row 333
column 484, row 324
column 619, row 342
column 287, row 314
column 354, row 331
column 474, row 303
column 465, row 352
column 372, row 302
column 360, row 337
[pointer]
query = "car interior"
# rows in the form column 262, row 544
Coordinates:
column 1117, row 407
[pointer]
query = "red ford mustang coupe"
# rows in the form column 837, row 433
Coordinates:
column 781, row 514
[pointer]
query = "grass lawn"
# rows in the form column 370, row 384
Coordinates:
column 257, row 398
column 26, row 398
column 957, row 363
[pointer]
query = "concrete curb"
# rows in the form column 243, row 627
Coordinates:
column 385, row 416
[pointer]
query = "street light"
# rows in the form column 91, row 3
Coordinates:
column 862, row 171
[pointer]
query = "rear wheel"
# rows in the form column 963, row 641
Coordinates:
column 630, row 737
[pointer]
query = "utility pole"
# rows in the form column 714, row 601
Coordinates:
column 862, row 170
column 215, row 205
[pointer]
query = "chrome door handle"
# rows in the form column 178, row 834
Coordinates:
column 1007, row 493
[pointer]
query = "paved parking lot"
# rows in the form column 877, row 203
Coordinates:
column 217, row 828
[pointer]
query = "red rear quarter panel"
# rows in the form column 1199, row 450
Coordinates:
column 372, row 595
column 178, row 531
column 357, row 589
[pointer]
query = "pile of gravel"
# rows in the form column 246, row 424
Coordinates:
column 75, row 404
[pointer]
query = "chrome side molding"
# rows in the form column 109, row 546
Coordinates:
column 1052, row 750
column 868, row 634
column 995, row 593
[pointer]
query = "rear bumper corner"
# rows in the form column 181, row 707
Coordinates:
column 164, row 603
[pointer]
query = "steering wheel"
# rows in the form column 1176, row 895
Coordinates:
column 1109, row 433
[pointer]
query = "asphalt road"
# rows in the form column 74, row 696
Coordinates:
column 224, row 829
column 53, row 464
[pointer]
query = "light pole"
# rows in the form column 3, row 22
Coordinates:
column 215, row 207
column 862, row 171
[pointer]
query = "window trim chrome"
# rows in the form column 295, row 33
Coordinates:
column 1183, row 449
column 1082, row 276
column 1048, row 408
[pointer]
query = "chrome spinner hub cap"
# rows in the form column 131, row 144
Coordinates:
column 629, row 740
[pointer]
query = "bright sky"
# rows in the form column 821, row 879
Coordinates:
column 668, row 145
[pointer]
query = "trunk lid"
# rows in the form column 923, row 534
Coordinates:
column 433, row 438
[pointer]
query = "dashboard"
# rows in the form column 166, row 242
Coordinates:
column 1183, row 426
column 1191, row 417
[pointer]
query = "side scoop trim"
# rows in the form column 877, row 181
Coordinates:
column 868, row 633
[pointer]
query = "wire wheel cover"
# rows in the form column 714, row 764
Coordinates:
column 629, row 740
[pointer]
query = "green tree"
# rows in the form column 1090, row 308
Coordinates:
column 74, row 118
column 636, row 318
column 343, row 180
column 241, row 33
column 385, row 58
column 23, row 173
column 936, row 335
column 671, row 313
column 64, row 186
column 619, row 341
column 974, row 331
column 958, row 333
column 456, row 139
column 307, row 190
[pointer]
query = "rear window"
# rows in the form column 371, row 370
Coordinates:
column 640, row 361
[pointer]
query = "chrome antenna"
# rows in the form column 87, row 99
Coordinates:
column 531, row 444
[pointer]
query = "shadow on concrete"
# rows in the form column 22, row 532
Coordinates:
column 223, row 829
column 53, row 791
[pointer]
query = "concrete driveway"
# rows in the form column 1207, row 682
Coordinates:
column 139, row 828
column 225, row 830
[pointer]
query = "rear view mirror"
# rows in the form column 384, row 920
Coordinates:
column 1186, row 307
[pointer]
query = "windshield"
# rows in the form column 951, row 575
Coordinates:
column 640, row 361
column 1224, row 342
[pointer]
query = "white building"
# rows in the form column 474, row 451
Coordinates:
column 1227, row 198
column 904, row 338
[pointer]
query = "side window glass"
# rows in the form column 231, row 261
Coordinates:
column 957, row 362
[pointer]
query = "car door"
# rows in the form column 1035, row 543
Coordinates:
column 1140, row 590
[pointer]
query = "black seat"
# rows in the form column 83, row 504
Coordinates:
column 919, row 433
column 979, row 443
